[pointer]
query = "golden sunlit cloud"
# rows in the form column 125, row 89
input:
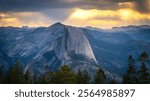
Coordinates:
column 79, row 17
column 106, row 18
column 7, row 20
column 19, row 19
column 125, row 13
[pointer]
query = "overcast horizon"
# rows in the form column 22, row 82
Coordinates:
column 81, row 13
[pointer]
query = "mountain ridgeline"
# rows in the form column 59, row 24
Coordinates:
column 80, row 48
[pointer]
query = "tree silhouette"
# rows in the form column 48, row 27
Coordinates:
column 28, row 76
column 15, row 74
column 100, row 77
column 1, row 74
column 83, row 77
column 86, row 77
column 45, row 78
column 131, row 61
column 63, row 76
column 144, row 57
column 79, row 77
column 131, row 76
column 144, row 76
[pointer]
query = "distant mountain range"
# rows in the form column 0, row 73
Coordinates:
column 80, row 48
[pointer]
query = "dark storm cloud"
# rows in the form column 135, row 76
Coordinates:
column 31, row 5
column 142, row 6
column 38, row 5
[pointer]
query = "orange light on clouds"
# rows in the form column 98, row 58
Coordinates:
column 81, row 14
column 125, row 13
column 19, row 19
column 79, row 17
column 106, row 18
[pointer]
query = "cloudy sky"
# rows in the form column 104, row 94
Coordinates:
column 96, row 13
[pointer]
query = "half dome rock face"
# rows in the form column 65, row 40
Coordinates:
column 78, row 43
column 68, row 45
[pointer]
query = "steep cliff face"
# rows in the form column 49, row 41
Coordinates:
column 69, row 46
column 78, row 42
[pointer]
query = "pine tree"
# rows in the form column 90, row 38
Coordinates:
column 100, row 77
column 144, row 75
column 63, row 76
column 28, row 76
column 15, row 74
column 131, row 61
column 144, row 57
column 131, row 76
column 35, row 78
column 45, row 78
column 83, row 77
column 1, row 74
column 42, row 79
column 86, row 77
column 79, row 77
